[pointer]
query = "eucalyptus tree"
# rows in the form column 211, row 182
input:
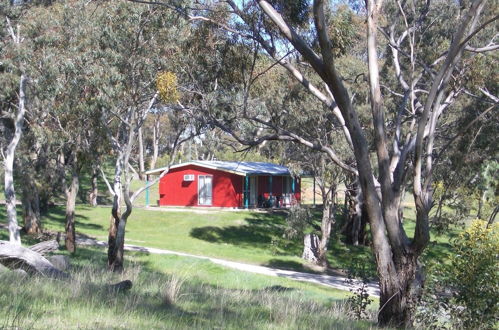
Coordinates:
column 138, row 48
column 70, row 86
column 13, row 111
column 395, row 149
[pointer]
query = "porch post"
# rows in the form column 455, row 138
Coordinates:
column 270, row 183
column 246, row 192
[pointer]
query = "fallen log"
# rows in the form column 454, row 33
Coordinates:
column 23, row 259
column 17, row 257
column 45, row 247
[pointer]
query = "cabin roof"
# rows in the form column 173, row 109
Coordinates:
column 240, row 168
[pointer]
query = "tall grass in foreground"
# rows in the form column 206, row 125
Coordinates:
column 158, row 301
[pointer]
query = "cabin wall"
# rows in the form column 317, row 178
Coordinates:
column 174, row 191
column 227, row 187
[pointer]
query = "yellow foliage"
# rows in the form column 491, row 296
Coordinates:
column 478, row 231
column 166, row 83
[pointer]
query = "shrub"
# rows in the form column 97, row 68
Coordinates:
column 463, row 293
column 473, row 275
column 297, row 221
column 357, row 304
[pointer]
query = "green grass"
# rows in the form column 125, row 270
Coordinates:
column 209, row 296
column 245, row 236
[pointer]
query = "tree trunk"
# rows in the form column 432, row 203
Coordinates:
column 116, row 239
column 10, row 194
column 155, row 143
column 326, row 225
column 10, row 199
column 399, row 294
column 71, row 194
column 31, row 205
column 480, row 205
column 356, row 216
column 311, row 248
column 141, row 155
column 113, row 261
column 92, row 196
column 111, row 240
column 493, row 216
column 438, row 213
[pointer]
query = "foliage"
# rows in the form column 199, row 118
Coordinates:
column 463, row 293
column 297, row 221
column 474, row 275
column 359, row 275
column 296, row 11
column 359, row 301
column 166, row 83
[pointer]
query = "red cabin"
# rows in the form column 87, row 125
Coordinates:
column 228, row 184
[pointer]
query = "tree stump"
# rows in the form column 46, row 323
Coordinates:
column 311, row 248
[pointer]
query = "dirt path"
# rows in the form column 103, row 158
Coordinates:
column 337, row 282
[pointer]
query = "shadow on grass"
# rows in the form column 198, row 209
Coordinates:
column 286, row 265
column 265, row 231
column 260, row 231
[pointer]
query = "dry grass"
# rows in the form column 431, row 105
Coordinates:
column 158, row 301
column 172, row 290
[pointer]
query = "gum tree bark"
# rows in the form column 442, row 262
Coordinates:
column 355, row 214
column 9, row 153
column 94, row 190
column 328, row 199
column 156, row 135
column 71, row 194
column 141, row 154
column 31, row 205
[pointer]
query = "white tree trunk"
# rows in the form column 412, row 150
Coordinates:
column 10, row 195
column 141, row 154
column 92, row 197
column 71, row 194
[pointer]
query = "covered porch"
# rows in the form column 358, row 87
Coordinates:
column 270, row 191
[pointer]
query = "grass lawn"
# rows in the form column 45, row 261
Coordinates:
column 169, row 292
column 245, row 236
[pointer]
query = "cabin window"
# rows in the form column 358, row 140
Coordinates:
column 205, row 189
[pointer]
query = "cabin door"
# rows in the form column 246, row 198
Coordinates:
column 253, row 188
column 205, row 189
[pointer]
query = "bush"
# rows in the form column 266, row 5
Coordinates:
column 298, row 219
column 463, row 293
